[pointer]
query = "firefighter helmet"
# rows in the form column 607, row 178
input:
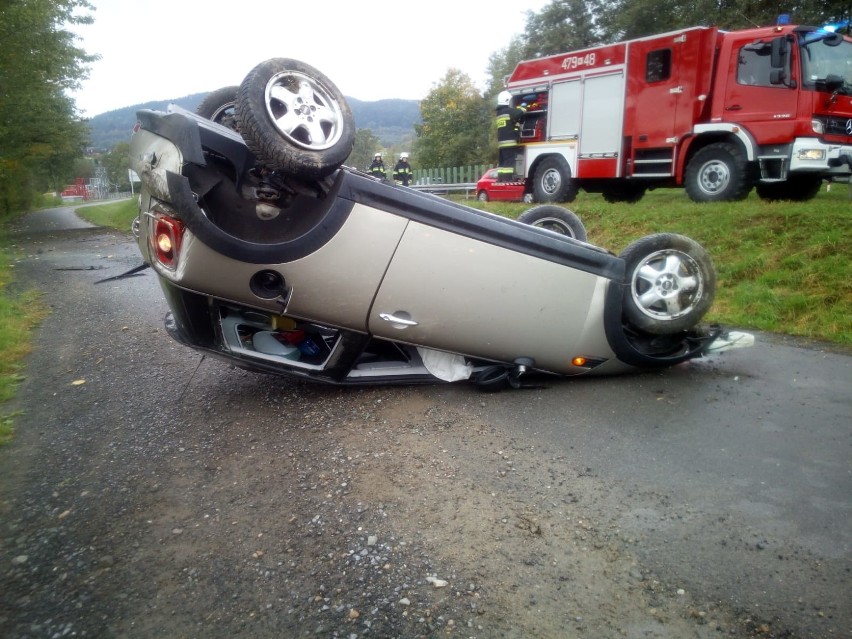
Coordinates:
column 504, row 98
column 403, row 156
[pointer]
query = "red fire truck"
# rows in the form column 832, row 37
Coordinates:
column 717, row 112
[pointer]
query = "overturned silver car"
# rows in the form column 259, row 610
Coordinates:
column 276, row 257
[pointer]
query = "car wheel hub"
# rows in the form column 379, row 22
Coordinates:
column 667, row 285
column 304, row 111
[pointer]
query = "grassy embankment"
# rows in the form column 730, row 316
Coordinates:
column 783, row 267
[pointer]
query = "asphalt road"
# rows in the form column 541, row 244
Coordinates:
column 736, row 470
column 730, row 476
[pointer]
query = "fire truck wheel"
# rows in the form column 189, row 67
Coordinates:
column 555, row 218
column 295, row 119
column 220, row 106
column 482, row 196
column 553, row 183
column 670, row 283
column 717, row 173
column 799, row 189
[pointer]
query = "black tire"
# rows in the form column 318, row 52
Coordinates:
column 555, row 218
column 797, row 189
column 295, row 119
column 552, row 181
column 670, row 283
column 220, row 106
column 624, row 191
column 492, row 379
column 482, row 196
column 717, row 173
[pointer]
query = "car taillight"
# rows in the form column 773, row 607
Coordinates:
column 166, row 237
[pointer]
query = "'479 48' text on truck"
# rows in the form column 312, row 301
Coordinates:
column 717, row 112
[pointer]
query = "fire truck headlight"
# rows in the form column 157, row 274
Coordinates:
column 811, row 154
column 817, row 126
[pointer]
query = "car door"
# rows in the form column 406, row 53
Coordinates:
column 508, row 191
column 450, row 292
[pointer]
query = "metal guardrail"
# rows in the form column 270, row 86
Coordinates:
column 443, row 189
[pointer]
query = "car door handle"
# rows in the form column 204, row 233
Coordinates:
column 396, row 319
column 733, row 107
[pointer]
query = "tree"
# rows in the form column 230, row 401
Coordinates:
column 116, row 165
column 40, row 130
column 365, row 147
column 84, row 168
column 455, row 124
column 625, row 19
column 501, row 64
column 562, row 25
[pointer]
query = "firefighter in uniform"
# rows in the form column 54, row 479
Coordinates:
column 377, row 167
column 402, row 170
column 508, row 128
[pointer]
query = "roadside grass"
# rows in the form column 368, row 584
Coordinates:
column 20, row 313
column 117, row 215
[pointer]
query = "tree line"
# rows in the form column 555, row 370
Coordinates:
column 41, row 133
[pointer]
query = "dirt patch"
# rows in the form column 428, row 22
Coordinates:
column 517, row 534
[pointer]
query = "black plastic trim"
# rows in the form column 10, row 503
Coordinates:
column 183, row 201
column 180, row 332
column 190, row 321
column 176, row 128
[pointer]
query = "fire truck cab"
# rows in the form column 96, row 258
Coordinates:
column 714, row 111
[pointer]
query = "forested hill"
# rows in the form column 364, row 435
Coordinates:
column 391, row 121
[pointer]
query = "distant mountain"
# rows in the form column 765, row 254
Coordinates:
column 392, row 121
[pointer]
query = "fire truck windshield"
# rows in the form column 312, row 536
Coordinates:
column 826, row 62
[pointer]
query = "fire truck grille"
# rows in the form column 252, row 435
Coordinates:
column 838, row 126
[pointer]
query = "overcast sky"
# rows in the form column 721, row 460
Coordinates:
column 166, row 49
